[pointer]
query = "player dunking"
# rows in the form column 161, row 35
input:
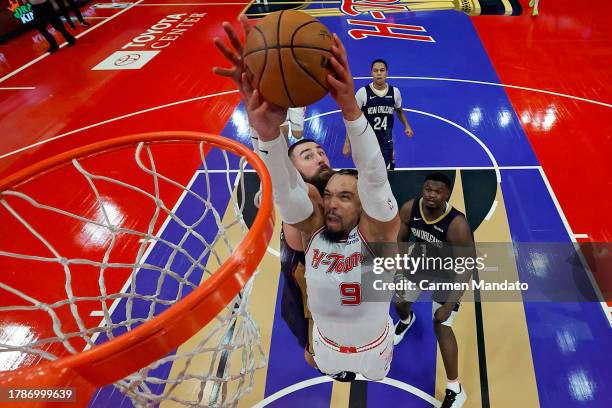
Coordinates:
column 432, row 220
column 348, row 335
column 311, row 161
column 379, row 101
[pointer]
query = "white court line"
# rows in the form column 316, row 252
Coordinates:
column 581, row 236
column 464, row 130
column 458, row 126
column 129, row 115
column 34, row 61
column 568, row 229
column 406, row 168
column 470, row 81
column 450, row 122
column 145, row 256
column 273, row 252
column 17, row 88
column 324, row 379
column 491, row 210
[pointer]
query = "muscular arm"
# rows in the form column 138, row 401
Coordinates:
column 460, row 237
column 380, row 220
column 293, row 236
column 405, row 215
column 296, row 200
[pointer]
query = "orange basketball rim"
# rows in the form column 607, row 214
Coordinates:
column 110, row 361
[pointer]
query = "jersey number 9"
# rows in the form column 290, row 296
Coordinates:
column 351, row 293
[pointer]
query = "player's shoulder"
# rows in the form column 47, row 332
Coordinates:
column 459, row 224
column 458, row 214
column 406, row 210
column 361, row 96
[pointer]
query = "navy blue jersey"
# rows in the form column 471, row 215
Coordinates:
column 379, row 111
column 433, row 232
column 294, row 310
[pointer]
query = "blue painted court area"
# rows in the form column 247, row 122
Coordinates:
column 193, row 213
column 569, row 340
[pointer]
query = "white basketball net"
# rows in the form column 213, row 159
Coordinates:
column 217, row 364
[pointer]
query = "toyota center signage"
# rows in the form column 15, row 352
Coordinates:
column 142, row 48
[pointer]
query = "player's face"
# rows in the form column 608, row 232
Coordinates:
column 379, row 73
column 341, row 205
column 312, row 163
column 435, row 194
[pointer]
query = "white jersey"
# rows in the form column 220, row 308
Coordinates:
column 333, row 284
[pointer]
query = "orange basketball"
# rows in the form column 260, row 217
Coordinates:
column 287, row 54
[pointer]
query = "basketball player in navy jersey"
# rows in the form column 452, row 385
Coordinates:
column 432, row 220
column 379, row 101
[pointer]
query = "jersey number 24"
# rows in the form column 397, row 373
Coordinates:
column 380, row 123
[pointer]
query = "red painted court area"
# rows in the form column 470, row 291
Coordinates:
column 566, row 50
column 72, row 105
column 86, row 105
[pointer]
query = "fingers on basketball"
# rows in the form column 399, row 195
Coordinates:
column 288, row 54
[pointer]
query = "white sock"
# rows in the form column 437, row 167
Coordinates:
column 454, row 386
column 409, row 319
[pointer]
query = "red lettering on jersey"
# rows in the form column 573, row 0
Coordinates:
column 354, row 260
column 348, row 7
column 382, row 29
column 335, row 259
column 317, row 257
column 337, row 262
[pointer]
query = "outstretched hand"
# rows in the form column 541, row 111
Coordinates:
column 264, row 116
column 342, row 88
column 235, row 56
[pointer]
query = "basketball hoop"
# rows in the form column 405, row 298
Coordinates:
column 201, row 262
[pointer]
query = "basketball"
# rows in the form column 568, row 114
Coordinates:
column 287, row 54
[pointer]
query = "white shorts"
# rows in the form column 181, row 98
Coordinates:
column 370, row 360
column 295, row 116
